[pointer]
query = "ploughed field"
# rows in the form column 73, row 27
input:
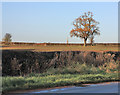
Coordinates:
column 49, row 48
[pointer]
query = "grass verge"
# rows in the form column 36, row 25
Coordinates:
column 53, row 80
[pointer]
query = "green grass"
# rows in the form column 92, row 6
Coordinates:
column 63, row 76
column 49, row 80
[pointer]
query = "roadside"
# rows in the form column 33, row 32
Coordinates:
column 51, row 81
column 26, row 70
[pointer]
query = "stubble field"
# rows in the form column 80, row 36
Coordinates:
column 48, row 48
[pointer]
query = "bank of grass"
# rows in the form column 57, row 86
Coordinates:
column 72, row 74
column 48, row 80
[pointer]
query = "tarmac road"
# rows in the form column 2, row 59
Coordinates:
column 93, row 88
column 110, row 88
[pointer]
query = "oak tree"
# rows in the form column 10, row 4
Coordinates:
column 85, row 27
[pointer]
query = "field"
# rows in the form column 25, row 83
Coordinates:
column 48, row 48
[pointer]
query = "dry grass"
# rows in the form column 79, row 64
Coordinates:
column 49, row 48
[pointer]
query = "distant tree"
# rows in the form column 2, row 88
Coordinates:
column 85, row 27
column 7, row 38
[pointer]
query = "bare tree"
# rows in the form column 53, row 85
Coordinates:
column 7, row 38
column 85, row 27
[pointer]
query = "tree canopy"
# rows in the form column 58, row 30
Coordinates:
column 85, row 27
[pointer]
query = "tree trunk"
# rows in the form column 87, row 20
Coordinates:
column 85, row 42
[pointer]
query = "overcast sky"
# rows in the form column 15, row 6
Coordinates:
column 52, row 21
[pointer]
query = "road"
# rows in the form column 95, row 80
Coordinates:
column 93, row 88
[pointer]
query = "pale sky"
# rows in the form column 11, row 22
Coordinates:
column 52, row 21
